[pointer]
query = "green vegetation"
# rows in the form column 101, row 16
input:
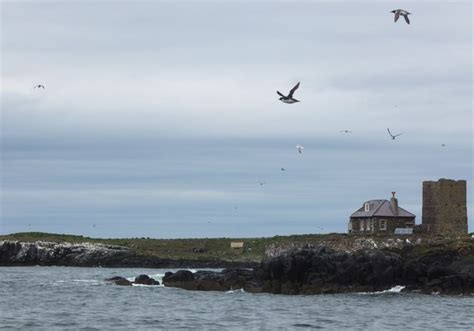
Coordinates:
column 218, row 249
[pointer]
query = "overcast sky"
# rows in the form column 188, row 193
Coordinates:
column 161, row 118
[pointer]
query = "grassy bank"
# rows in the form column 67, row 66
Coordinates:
column 254, row 248
column 189, row 249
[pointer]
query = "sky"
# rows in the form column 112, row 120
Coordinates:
column 160, row 118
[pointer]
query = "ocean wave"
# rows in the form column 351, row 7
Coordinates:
column 240, row 290
column 143, row 285
column 395, row 289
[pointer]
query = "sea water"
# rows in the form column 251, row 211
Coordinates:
column 67, row 298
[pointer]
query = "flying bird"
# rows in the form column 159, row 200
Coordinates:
column 393, row 136
column 39, row 86
column 262, row 183
column 289, row 98
column 299, row 148
column 346, row 131
column 402, row 12
column 282, row 169
column 443, row 145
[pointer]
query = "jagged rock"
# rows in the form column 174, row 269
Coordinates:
column 145, row 280
column 323, row 270
column 228, row 279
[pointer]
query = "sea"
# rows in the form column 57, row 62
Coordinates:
column 69, row 298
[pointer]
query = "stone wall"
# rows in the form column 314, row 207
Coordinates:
column 374, row 224
column 444, row 207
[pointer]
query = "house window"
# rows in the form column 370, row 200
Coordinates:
column 350, row 226
column 383, row 224
column 370, row 225
column 362, row 225
column 366, row 207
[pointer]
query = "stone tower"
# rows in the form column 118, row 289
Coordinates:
column 444, row 207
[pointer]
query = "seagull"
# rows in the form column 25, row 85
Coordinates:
column 262, row 183
column 346, row 131
column 289, row 98
column 402, row 12
column 443, row 145
column 282, row 169
column 393, row 136
column 299, row 148
column 39, row 86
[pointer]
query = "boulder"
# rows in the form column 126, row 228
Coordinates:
column 145, row 280
column 181, row 278
column 117, row 280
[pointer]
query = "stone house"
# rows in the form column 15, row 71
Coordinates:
column 380, row 217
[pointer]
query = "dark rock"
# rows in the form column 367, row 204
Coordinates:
column 181, row 278
column 322, row 270
column 117, row 280
column 14, row 253
column 145, row 280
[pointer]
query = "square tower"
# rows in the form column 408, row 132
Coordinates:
column 444, row 207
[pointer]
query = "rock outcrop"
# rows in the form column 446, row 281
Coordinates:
column 117, row 280
column 15, row 253
column 145, row 280
column 228, row 279
column 323, row 270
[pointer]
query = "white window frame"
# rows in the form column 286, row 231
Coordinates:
column 362, row 225
column 366, row 206
column 384, row 227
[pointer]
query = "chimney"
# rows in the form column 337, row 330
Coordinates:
column 394, row 204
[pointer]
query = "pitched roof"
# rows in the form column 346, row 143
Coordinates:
column 380, row 208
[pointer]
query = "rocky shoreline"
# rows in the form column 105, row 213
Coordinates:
column 323, row 270
column 15, row 253
column 435, row 268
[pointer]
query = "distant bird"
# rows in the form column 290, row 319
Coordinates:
column 262, row 183
column 39, row 86
column 443, row 145
column 393, row 136
column 282, row 169
column 93, row 226
column 402, row 12
column 289, row 98
column 346, row 131
column 299, row 148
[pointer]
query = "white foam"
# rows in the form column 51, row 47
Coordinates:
column 133, row 284
column 395, row 289
column 240, row 290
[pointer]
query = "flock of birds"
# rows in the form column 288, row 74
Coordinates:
column 290, row 99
